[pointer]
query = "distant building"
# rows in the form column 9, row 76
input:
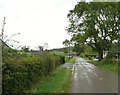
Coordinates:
column 35, row 52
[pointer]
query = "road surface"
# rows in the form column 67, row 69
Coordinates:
column 88, row 78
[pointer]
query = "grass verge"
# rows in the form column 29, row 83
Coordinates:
column 56, row 82
column 106, row 66
column 72, row 60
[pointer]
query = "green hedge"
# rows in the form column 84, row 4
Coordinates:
column 20, row 74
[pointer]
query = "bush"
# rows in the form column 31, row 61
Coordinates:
column 106, row 65
column 110, row 61
column 19, row 74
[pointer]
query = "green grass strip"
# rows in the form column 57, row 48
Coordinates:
column 108, row 67
column 57, row 82
column 72, row 60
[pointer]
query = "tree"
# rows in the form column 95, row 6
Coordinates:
column 67, row 44
column 46, row 46
column 65, row 50
column 78, row 45
column 78, row 48
column 26, row 48
column 96, row 24
column 40, row 48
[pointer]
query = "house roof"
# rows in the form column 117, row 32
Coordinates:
column 35, row 52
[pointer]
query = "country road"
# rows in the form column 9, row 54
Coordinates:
column 88, row 78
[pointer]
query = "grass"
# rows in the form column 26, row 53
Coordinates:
column 60, row 53
column 72, row 60
column 57, row 82
column 106, row 66
column 66, row 59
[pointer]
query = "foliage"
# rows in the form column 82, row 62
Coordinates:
column 59, row 53
column 9, row 53
column 65, row 50
column 40, row 48
column 20, row 73
column 110, row 66
column 26, row 48
column 89, row 51
column 66, row 59
column 72, row 60
column 96, row 24
column 78, row 48
column 66, row 43
column 56, row 82
column 114, row 51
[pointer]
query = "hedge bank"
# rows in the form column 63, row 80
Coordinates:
column 19, row 74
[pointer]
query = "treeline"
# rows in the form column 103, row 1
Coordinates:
column 97, row 25
column 21, row 71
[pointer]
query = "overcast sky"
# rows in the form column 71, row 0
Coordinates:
column 37, row 21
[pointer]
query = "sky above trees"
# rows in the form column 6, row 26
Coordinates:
column 37, row 21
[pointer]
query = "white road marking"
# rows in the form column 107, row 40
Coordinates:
column 95, row 74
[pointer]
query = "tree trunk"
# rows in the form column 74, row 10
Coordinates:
column 100, row 55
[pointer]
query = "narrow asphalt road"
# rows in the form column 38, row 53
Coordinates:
column 88, row 78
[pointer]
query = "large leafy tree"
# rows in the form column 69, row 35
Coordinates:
column 95, row 23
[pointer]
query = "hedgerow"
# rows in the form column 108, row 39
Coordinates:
column 19, row 74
